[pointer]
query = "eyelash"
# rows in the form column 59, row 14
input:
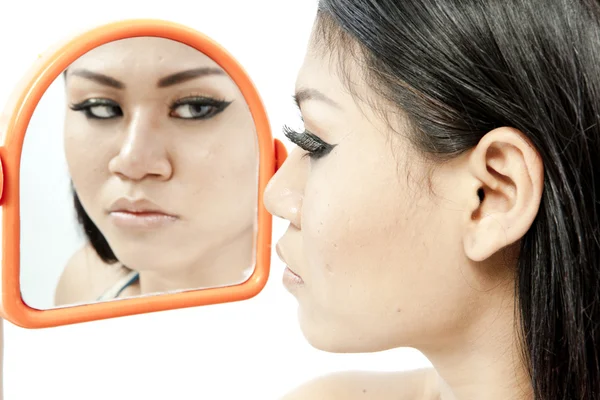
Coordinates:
column 216, row 107
column 309, row 142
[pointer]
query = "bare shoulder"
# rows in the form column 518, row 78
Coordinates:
column 85, row 277
column 408, row 385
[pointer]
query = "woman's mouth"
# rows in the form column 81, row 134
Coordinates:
column 144, row 220
column 291, row 280
column 139, row 214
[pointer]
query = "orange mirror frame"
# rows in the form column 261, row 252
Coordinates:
column 13, row 126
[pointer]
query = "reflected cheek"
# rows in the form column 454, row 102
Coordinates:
column 87, row 168
column 84, row 148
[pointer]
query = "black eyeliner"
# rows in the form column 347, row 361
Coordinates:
column 206, row 101
column 92, row 103
column 218, row 105
column 86, row 106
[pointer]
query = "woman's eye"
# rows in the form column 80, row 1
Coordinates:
column 309, row 142
column 98, row 109
column 197, row 108
column 103, row 112
column 193, row 111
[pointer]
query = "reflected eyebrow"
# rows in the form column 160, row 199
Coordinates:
column 170, row 80
column 184, row 76
column 303, row 95
column 98, row 78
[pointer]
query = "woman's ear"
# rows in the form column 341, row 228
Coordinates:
column 509, row 180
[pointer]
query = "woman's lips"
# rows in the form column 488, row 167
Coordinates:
column 290, row 278
column 139, row 214
column 141, row 220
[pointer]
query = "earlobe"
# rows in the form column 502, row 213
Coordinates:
column 507, row 191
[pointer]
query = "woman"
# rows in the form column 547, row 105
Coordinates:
column 162, row 152
column 445, row 196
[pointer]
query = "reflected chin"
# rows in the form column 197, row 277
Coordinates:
column 142, row 256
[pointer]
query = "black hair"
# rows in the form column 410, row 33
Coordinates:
column 93, row 235
column 460, row 68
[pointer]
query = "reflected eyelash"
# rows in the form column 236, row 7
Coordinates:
column 309, row 142
column 218, row 106
column 205, row 101
column 89, row 103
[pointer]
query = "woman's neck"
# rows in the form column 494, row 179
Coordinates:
column 226, row 265
column 485, row 363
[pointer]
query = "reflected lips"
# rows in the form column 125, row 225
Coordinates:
column 139, row 214
column 290, row 278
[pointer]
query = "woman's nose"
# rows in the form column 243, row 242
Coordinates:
column 143, row 151
column 285, row 191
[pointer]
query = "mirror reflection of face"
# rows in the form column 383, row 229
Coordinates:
column 161, row 148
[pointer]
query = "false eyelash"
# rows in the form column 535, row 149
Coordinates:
column 312, row 144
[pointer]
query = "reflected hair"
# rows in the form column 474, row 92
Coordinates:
column 458, row 69
column 93, row 235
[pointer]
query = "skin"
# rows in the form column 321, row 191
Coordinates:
column 418, row 384
column 203, row 171
column 395, row 251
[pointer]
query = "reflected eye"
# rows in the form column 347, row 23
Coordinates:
column 197, row 108
column 98, row 108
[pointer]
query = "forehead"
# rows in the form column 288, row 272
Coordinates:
column 317, row 68
column 333, row 74
column 144, row 53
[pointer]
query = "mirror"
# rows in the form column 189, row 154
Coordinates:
column 156, row 150
column 150, row 183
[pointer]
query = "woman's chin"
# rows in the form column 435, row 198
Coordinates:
column 332, row 342
column 329, row 336
column 144, row 259
column 324, row 337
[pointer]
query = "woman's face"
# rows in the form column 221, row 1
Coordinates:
column 376, row 234
column 162, row 151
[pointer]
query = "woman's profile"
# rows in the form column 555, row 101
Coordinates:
column 445, row 196
column 162, row 153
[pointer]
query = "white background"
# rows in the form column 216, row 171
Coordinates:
column 250, row 350
column 50, row 233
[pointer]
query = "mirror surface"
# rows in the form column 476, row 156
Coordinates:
column 150, row 184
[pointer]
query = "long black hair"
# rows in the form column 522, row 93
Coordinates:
column 460, row 68
column 93, row 235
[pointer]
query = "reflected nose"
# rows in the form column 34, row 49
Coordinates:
column 143, row 153
column 285, row 191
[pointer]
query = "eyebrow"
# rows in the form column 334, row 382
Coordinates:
column 98, row 78
column 170, row 80
column 306, row 94
column 190, row 74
